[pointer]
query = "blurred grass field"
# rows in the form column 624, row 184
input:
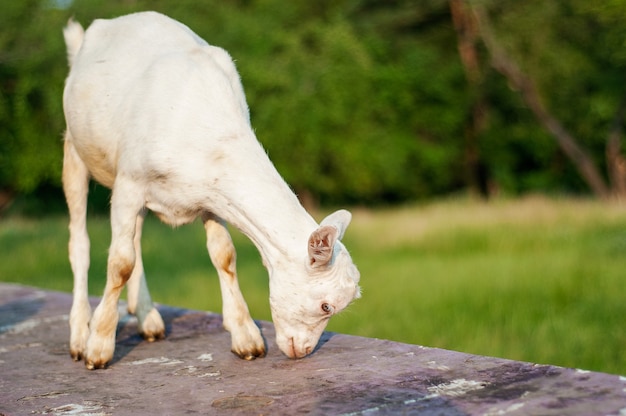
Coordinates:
column 535, row 279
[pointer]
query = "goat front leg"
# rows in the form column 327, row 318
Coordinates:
column 246, row 339
column 126, row 204
column 76, row 187
column 149, row 320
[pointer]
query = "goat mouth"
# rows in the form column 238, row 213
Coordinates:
column 294, row 353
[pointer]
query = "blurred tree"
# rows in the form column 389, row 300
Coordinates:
column 549, row 58
column 30, row 92
column 468, row 41
column 365, row 101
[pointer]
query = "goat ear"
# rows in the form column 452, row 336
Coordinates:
column 321, row 243
column 340, row 220
column 322, row 240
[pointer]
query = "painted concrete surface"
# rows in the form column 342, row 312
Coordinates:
column 193, row 372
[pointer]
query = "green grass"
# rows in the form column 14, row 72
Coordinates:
column 536, row 279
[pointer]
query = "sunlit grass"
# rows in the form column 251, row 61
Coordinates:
column 537, row 279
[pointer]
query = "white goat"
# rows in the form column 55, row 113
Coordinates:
column 160, row 117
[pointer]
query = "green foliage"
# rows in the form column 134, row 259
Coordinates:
column 355, row 101
column 31, row 120
column 575, row 52
column 536, row 280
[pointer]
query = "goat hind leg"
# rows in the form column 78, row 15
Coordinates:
column 246, row 339
column 150, row 323
column 76, row 187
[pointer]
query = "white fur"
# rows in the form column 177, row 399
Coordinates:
column 160, row 117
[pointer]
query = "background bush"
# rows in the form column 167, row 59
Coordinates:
column 356, row 101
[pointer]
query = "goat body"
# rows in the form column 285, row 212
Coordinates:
column 160, row 117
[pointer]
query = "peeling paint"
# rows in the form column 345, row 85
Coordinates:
column 215, row 374
column 421, row 399
column 79, row 409
column 30, row 324
column 407, row 402
column 458, row 387
column 154, row 360
column 185, row 371
column 172, row 362
column 436, row 366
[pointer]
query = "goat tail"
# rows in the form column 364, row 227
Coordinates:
column 73, row 34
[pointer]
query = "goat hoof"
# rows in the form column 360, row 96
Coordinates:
column 250, row 355
column 244, row 355
column 95, row 366
column 152, row 327
column 153, row 336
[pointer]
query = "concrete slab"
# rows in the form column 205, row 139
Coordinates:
column 193, row 372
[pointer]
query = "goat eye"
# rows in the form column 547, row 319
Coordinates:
column 327, row 308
